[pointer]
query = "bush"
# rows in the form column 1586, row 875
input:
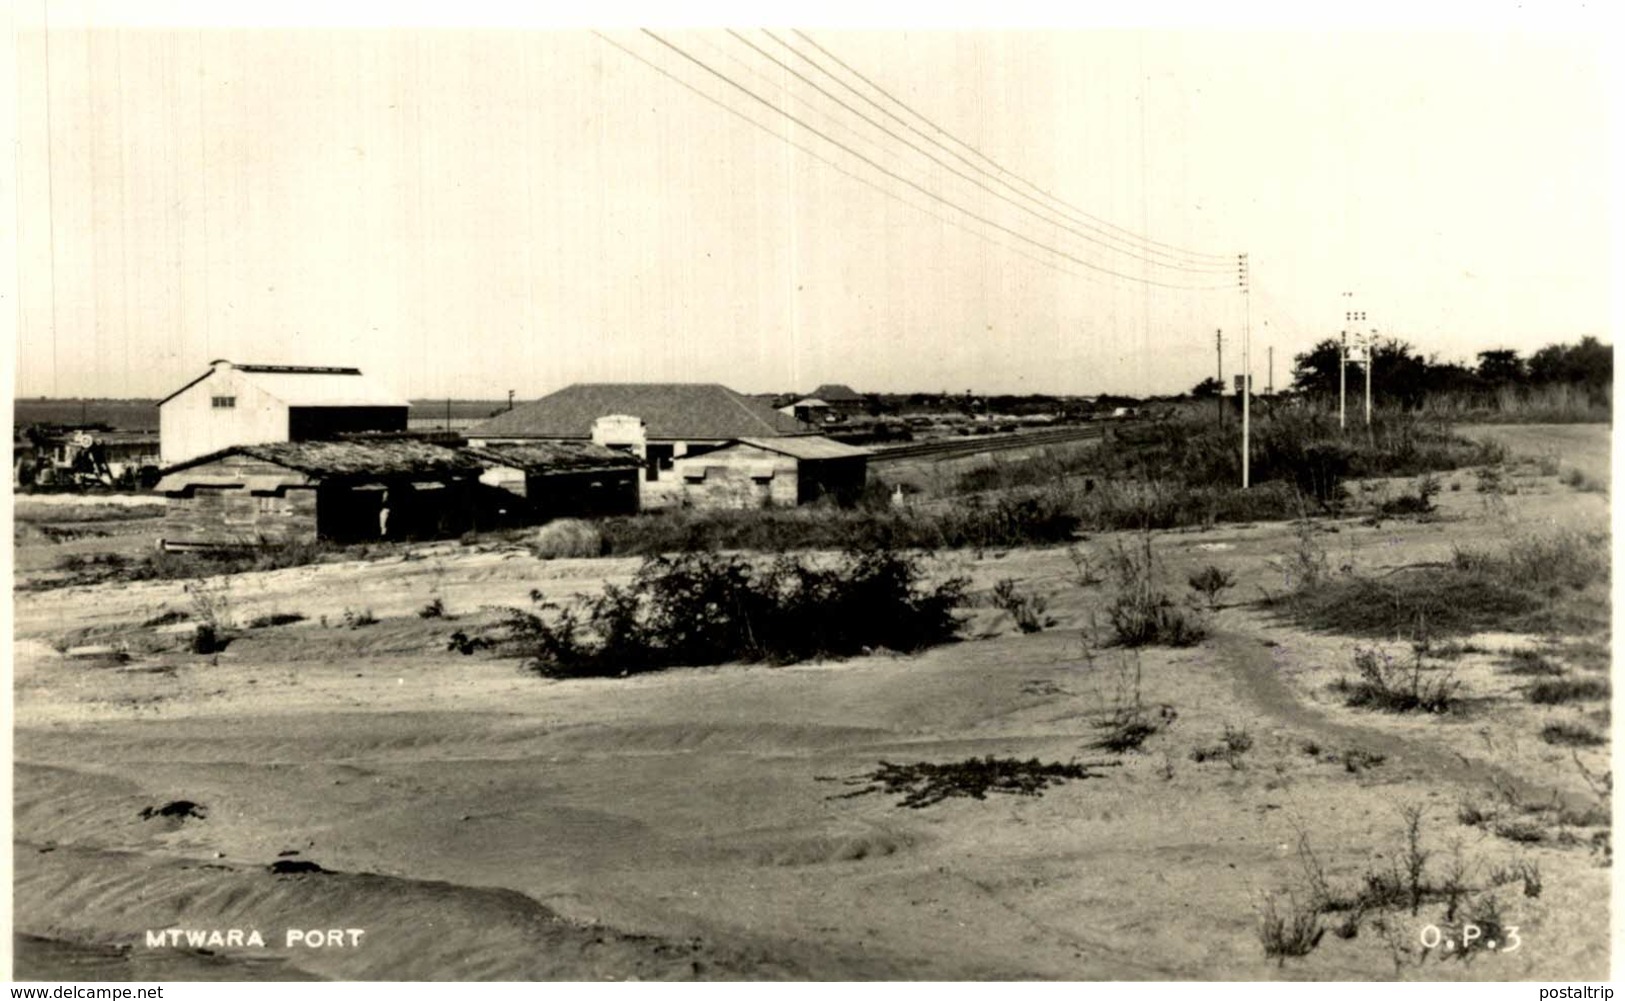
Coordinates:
column 275, row 619
column 355, row 620
column 1534, row 584
column 1210, row 582
column 1569, row 735
column 1420, row 502
column 1294, row 932
column 1235, row 743
column 1043, row 519
column 1531, row 662
column 702, row 608
column 206, row 640
column 435, row 609
column 566, row 538
column 1389, row 687
column 1026, row 609
column 926, row 783
column 1560, row 690
column 1141, row 614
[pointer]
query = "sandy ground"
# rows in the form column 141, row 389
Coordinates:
column 477, row 822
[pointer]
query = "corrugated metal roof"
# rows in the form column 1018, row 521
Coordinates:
column 541, row 456
column 332, row 388
column 308, row 386
column 669, row 411
column 811, row 447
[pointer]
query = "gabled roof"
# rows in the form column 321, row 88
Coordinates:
column 307, row 385
column 671, row 411
column 807, row 447
column 331, row 459
column 544, row 456
column 834, row 392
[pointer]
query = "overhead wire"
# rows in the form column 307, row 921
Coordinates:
column 867, row 181
column 1083, row 216
column 1049, row 216
column 908, row 181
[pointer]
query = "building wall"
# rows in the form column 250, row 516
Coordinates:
column 189, row 425
column 737, row 477
column 312, row 423
column 283, row 510
column 587, row 494
column 841, row 480
column 233, row 516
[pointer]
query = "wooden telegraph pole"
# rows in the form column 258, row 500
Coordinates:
column 1246, row 374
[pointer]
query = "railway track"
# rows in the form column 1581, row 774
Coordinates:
column 953, row 448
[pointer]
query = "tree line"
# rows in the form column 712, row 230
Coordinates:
column 1402, row 375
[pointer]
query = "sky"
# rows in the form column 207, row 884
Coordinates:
column 467, row 211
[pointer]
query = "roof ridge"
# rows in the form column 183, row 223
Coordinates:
column 739, row 401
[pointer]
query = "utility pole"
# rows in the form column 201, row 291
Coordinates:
column 510, row 399
column 1370, row 360
column 1343, row 363
column 1246, row 373
column 1218, row 343
column 1270, row 389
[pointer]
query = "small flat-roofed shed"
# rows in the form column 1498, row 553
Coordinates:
column 342, row 491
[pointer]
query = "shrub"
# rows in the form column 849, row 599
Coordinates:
column 166, row 618
column 1551, row 563
column 1570, row 735
column 1042, row 519
column 1294, row 931
column 275, row 619
column 1584, row 482
column 1231, row 747
column 1357, row 760
column 1127, row 723
column 1026, row 609
column 1474, row 813
column 568, row 537
column 435, row 609
column 355, row 620
column 927, row 783
column 1420, row 502
column 1520, row 830
column 1086, row 572
column 1141, row 614
column 1389, row 687
column 206, row 640
column 1531, row 662
column 211, row 601
column 1560, row 690
column 1210, row 582
column 702, row 608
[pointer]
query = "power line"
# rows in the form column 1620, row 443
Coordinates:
column 1195, row 255
column 1049, row 219
column 866, row 181
column 899, row 177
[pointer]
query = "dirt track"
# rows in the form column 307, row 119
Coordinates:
column 480, row 823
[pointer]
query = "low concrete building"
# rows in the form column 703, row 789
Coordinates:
column 809, row 410
column 773, row 472
column 554, row 479
column 340, row 491
column 656, row 422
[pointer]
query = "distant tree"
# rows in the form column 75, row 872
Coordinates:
column 1501, row 367
column 1398, row 374
column 1315, row 372
column 1207, row 388
column 1588, row 363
